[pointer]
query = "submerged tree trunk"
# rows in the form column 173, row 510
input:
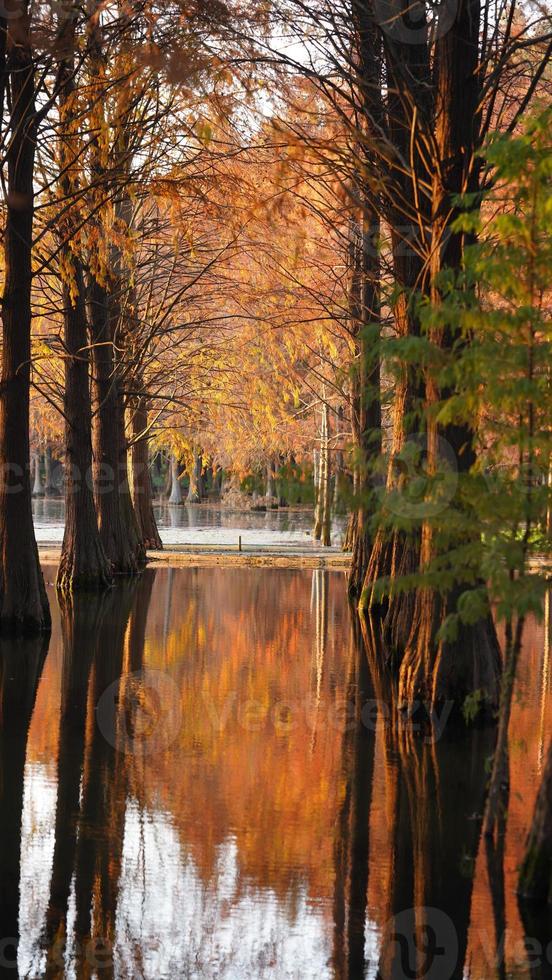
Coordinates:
column 142, row 496
column 23, row 602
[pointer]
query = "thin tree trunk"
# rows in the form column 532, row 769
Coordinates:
column 83, row 564
column 326, row 494
column 50, row 487
column 195, row 489
column 38, row 490
column 176, row 487
column 23, row 602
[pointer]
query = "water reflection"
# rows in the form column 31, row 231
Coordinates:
column 214, row 784
column 21, row 663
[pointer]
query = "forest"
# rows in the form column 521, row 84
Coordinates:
column 289, row 258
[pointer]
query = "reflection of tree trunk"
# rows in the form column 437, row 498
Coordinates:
column 352, row 843
column 495, row 871
column 446, row 786
column 81, row 619
column 535, row 880
column 20, row 668
column 537, row 926
column 435, row 805
column 399, row 888
column 99, row 847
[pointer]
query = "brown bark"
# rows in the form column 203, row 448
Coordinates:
column 23, row 602
column 452, row 670
column 118, row 527
column 195, row 490
column 142, row 496
column 364, row 299
column 408, row 109
column 175, row 488
column 84, row 563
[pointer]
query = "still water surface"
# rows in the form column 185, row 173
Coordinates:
column 206, row 525
column 189, row 790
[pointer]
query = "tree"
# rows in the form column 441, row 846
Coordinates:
column 23, row 602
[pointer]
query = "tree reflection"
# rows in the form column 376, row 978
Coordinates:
column 21, row 662
column 103, row 641
column 352, row 843
column 435, row 796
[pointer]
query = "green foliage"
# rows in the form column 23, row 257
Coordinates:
column 493, row 379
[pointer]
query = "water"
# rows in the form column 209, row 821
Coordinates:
column 206, row 525
column 190, row 791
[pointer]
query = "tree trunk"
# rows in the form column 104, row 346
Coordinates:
column 51, row 488
column 141, row 478
column 434, row 670
column 316, row 474
column 326, row 494
column 23, row 602
column 408, row 104
column 119, row 532
column 269, row 480
column 35, row 468
column 176, row 487
column 195, row 489
column 535, row 879
column 84, row 564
